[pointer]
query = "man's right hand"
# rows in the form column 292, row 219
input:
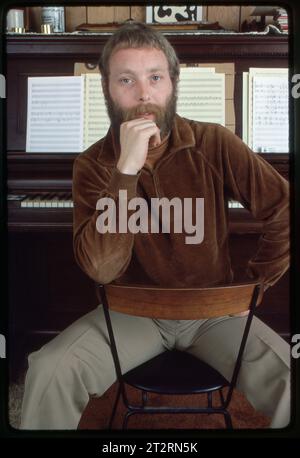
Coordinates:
column 135, row 137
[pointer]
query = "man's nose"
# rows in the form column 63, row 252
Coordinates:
column 143, row 93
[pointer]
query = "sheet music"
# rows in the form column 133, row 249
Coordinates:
column 270, row 121
column 96, row 120
column 201, row 95
column 245, row 120
column 265, row 110
column 68, row 114
column 55, row 114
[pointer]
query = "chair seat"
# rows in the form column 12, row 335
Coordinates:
column 175, row 372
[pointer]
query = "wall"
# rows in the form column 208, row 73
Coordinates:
column 229, row 17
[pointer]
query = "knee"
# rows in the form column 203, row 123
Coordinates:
column 44, row 362
column 38, row 368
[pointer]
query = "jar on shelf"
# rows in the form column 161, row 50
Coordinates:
column 15, row 19
column 54, row 15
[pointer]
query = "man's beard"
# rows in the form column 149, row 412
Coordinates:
column 164, row 116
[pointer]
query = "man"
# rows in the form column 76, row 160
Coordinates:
column 151, row 152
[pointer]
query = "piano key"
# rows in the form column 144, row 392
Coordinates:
column 36, row 201
column 43, row 199
column 61, row 199
column 27, row 202
column 54, row 201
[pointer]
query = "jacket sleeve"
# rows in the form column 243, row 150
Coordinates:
column 102, row 256
column 253, row 182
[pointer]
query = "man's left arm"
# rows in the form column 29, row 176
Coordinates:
column 250, row 180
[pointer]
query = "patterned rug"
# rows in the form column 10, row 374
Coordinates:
column 97, row 412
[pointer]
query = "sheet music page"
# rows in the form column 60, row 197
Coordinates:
column 201, row 95
column 268, row 117
column 55, row 114
column 245, row 121
column 270, row 120
column 97, row 122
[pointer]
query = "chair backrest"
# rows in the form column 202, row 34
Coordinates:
column 180, row 303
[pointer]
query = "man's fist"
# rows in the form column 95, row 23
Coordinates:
column 135, row 137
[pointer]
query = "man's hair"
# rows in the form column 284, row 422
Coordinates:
column 138, row 35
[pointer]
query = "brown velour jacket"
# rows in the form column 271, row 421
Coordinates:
column 203, row 160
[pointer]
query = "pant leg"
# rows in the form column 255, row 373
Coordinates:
column 265, row 373
column 78, row 363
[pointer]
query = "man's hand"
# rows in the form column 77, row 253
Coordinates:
column 135, row 137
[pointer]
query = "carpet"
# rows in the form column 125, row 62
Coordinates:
column 98, row 410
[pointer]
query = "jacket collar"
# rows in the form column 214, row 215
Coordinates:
column 181, row 137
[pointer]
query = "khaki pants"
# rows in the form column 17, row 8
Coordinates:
column 78, row 363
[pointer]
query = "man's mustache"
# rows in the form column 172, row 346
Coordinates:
column 133, row 112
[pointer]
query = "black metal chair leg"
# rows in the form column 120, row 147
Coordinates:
column 221, row 397
column 227, row 418
column 209, row 400
column 144, row 398
column 115, row 407
column 126, row 418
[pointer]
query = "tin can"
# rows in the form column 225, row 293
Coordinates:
column 54, row 15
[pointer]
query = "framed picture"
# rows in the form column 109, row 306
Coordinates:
column 165, row 14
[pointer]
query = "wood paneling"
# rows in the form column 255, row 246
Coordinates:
column 228, row 17
column 35, row 19
column 104, row 14
column 204, row 13
column 245, row 13
column 75, row 15
column 138, row 13
column 100, row 14
column 121, row 13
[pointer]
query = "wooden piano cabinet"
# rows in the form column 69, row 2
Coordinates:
column 47, row 291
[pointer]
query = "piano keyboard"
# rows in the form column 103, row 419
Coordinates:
column 49, row 200
column 52, row 200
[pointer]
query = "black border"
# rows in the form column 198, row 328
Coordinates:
column 97, row 438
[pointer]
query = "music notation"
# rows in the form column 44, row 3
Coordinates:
column 68, row 114
column 201, row 94
column 54, row 114
column 266, row 110
column 270, row 113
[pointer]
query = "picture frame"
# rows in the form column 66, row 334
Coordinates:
column 170, row 14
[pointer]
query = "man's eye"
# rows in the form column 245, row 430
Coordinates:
column 125, row 80
column 156, row 77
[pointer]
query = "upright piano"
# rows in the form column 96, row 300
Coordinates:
column 47, row 290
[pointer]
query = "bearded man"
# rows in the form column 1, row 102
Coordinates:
column 152, row 152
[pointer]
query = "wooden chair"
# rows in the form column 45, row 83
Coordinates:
column 178, row 372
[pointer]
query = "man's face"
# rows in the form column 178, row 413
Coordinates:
column 140, row 86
